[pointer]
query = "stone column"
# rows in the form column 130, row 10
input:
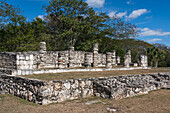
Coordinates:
column 71, row 56
column 42, row 59
column 127, row 58
column 95, row 55
column 87, row 62
column 43, row 47
column 114, row 58
column 61, row 60
column 108, row 60
column 143, row 60
column 118, row 59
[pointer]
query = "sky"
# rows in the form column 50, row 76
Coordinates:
column 152, row 17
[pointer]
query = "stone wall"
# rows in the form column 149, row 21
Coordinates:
column 24, row 88
column 47, row 59
column 78, row 58
column 24, row 60
column 101, row 60
column 127, row 86
column 8, row 60
column 114, row 87
column 41, row 92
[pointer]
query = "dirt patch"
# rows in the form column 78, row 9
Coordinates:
column 154, row 102
column 73, row 75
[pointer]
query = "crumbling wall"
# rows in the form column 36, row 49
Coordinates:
column 8, row 60
column 39, row 60
column 41, row 92
column 127, row 86
column 24, row 60
column 114, row 87
column 78, row 58
column 101, row 59
column 48, row 59
column 24, row 88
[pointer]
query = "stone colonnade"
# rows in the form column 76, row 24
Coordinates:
column 111, row 58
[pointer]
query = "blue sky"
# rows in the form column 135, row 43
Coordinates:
column 152, row 17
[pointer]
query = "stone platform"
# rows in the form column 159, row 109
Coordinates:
column 43, row 71
column 113, row 87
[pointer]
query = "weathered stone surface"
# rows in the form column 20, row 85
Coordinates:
column 43, row 46
column 115, row 87
column 127, row 59
column 118, row 59
column 143, row 60
column 95, row 55
column 127, row 86
column 111, row 110
column 71, row 57
column 27, row 63
column 61, row 60
column 108, row 60
column 114, row 58
column 87, row 62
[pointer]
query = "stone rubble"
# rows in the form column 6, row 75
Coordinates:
column 111, row 110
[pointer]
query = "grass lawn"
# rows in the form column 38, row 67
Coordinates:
column 154, row 102
column 71, row 75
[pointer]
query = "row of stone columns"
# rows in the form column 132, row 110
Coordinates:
column 111, row 59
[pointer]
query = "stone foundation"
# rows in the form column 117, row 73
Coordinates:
column 114, row 87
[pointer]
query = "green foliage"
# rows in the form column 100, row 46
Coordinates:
column 155, row 55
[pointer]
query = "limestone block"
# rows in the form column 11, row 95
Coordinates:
column 108, row 60
column 27, row 58
column 31, row 57
column 95, row 55
column 118, row 60
column 135, row 64
column 87, row 60
column 42, row 46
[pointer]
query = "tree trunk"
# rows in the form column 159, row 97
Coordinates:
column 156, row 63
column 151, row 63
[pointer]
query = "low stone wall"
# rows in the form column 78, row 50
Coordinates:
column 127, row 86
column 115, row 87
column 41, row 92
column 27, row 89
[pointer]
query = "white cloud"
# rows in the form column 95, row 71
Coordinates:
column 150, row 32
column 96, row 3
column 121, row 14
column 111, row 14
column 137, row 13
column 41, row 16
column 129, row 2
column 154, row 40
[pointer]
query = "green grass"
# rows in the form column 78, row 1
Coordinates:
column 74, row 75
column 2, row 98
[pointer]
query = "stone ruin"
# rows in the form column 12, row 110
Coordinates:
column 32, row 62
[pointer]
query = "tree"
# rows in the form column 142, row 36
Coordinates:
column 155, row 55
column 73, row 22
column 16, row 34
